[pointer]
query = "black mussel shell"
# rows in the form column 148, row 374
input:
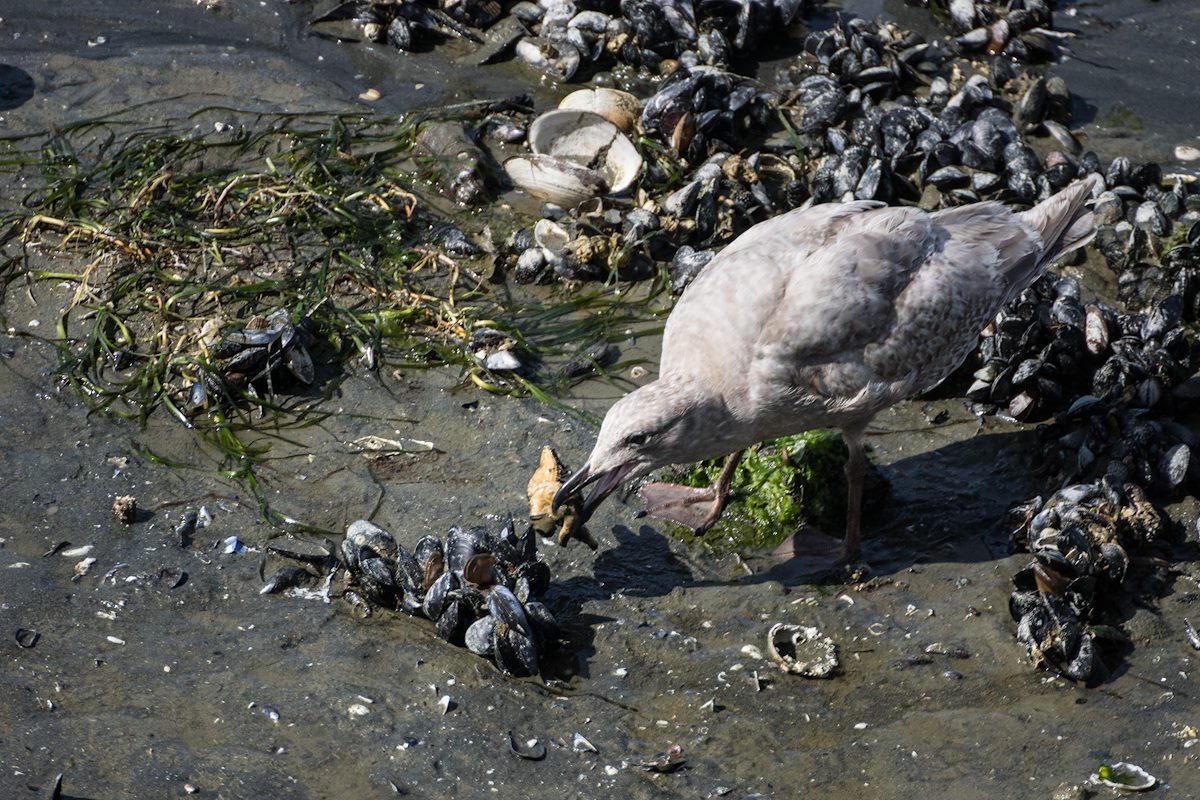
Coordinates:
column 435, row 598
column 543, row 622
column 532, row 579
column 506, row 608
column 286, row 578
column 514, row 651
column 457, row 615
column 460, row 546
column 408, row 573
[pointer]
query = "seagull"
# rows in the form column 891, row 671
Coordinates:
column 821, row 318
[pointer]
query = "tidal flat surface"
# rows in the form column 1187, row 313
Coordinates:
column 141, row 684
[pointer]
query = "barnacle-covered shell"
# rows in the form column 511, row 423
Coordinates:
column 802, row 650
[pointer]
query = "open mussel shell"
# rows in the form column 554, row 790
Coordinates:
column 802, row 650
column 558, row 180
column 620, row 108
column 589, row 140
column 431, row 560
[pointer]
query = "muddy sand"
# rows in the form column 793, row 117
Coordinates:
column 172, row 674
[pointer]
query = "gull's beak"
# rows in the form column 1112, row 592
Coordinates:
column 606, row 483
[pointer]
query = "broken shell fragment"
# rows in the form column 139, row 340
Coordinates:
column 802, row 650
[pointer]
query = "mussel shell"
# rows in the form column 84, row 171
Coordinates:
column 286, row 578
column 1021, row 603
column 478, row 638
column 409, row 574
column 367, row 535
column 542, row 620
column 435, row 598
column 460, row 547
column 480, row 570
column 515, row 652
column 431, row 559
column 377, row 572
column 457, row 615
column 1175, row 463
column 506, row 608
column 249, row 361
column 1083, row 662
column 300, row 364
column 531, row 579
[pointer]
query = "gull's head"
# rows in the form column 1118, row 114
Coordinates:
column 650, row 427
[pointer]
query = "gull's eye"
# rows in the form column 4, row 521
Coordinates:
column 638, row 439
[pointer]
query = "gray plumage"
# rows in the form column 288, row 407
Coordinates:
column 822, row 317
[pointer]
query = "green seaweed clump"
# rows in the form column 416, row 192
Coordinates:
column 1122, row 117
column 777, row 487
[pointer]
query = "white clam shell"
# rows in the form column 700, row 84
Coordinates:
column 589, row 140
column 558, row 180
column 620, row 108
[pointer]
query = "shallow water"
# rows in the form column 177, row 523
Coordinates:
column 657, row 633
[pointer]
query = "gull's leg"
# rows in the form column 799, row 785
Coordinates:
column 856, row 469
column 808, row 550
column 698, row 509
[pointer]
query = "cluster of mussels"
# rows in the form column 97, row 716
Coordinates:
column 885, row 115
column 1048, row 352
column 267, row 352
column 479, row 588
column 874, row 112
column 647, row 35
column 1019, row 30
column 1081, row 540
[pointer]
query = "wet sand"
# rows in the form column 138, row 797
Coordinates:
column 935, row 695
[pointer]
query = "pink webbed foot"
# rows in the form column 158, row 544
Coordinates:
column 688, row 506
column 808, row 551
